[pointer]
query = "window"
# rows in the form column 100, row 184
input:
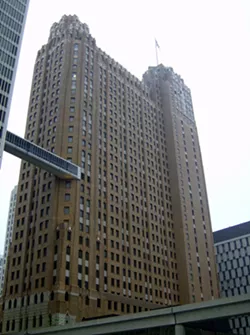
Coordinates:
column 68, row 184
column 66, row 210
column 67, row 197
column 68, row 250
column 20, row 324
column 70, row 139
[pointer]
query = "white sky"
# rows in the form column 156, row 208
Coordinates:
column 205, row 41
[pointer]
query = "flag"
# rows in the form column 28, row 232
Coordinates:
column 156, row 44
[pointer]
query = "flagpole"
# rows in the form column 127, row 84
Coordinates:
column 156, row 52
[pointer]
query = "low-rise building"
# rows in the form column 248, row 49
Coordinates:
column 232, row 248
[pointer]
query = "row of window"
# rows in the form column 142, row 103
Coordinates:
column 9, row 8
column 233, row 245
column 37, row 321
column 9, row 22
column 8, row 46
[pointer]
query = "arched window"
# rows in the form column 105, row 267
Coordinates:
column 40, row 321
column 80, row 254
column 7, row 325
column 26, row 323
column 15, row 303
column 13, row 324
column 28, row 300
column 20, row 324
column 35, row 299
column 22, row 302
column 10, row 304
column 50, row 319
column 34, row 321
column 42, row 297
column 52, row 295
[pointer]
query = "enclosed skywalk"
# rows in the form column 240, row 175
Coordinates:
column 40, row 157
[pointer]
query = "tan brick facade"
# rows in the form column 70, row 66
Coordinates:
column 119, row 240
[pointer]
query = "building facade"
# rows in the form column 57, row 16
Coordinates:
column 1, row 263
column 8, row 236
column 12, row 17
column 232, row 249
column 134, row 233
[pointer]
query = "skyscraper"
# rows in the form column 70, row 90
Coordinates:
column 8, row 236
column 134, row 233
column 1, row 263
column 12, row 17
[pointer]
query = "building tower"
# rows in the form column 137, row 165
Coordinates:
column 119, row 240
column 12, row 17
column 189, row 197
column 8, row 235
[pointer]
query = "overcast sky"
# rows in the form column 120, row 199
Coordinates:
column 205, row 41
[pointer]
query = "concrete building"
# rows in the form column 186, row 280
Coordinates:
column 232, row 247
column 12, row 17
column 8, row 236
column 1, row 263
column 134, row 233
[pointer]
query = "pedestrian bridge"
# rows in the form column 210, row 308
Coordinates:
column 40, row 157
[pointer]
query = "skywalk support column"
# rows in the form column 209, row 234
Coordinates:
column 179, row 330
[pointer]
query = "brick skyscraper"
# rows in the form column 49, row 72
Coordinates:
column 8, row 235
column 135, row 232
